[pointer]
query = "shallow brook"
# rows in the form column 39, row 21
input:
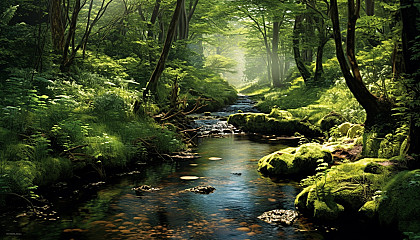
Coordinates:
column 228, row 163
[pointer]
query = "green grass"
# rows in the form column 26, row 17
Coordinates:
column 311, row 102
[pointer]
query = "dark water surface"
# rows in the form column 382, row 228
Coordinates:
column 115, row 211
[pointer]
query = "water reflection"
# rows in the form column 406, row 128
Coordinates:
column 117, row 212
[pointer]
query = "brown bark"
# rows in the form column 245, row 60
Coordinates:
column 370, row 7
column 150, row 33
column 67, row 60
column 304, row 72
column 410, row 34
column 160, row 66
column 57, row 25
column 275, row 64
column 376, row 110
column 183, row 23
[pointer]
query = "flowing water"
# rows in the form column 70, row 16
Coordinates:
column 112, row 210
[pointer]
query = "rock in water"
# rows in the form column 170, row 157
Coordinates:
column 145, row 188
column 279, row 216
column 201, row 189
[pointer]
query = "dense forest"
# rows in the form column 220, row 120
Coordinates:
column 100, row 85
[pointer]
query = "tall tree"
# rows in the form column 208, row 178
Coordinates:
column 64, row 42
column 411, row 54
column 160, row 66
column 275, row 71
column 377, row 109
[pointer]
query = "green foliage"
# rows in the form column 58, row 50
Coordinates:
column 376, row 143
column 344, row 189
column 401, row 205
column 219, row 64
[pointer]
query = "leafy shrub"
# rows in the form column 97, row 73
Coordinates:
column 108, row 149
column 109, row 105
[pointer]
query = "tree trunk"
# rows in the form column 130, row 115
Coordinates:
column 66, row 59
column 183, row 24
column 155, row 13
column 376, row 109
column 57, row 25
column 160, row 66
column 410, row 36
column 275, row 64
column 304, row 72
column 370, row 7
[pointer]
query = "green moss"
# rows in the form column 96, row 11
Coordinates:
column 262, row 123
column 307, row 156
column 280, row 114
column 400, row 203
column 294, row 161
column 355, row 131
column 344, row 128
column 343, row 189
column 327, row 212
column 277, row 163
column 369, row 210
column 330, row 120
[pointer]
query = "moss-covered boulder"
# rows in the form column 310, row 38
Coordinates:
column 293, row 162
column 280, row 114
column 355, row 131
column 399, row 205
column 341, row 190
column 330, row 120
column 344, row 128
column 282, row 124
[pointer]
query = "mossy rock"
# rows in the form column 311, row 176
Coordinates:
column 280, row 114
column 400, row 204
column 344, row 189
column 262, row 123
column 277, row 163
column 344, row 128
column 307, row 156
column 369, row 210
column 330, row 120
column 327, row 211
column 355, row 131
column 299, row 161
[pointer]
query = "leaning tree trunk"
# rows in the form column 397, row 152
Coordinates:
column 377, row 110
column 275, row 65
column 160, row 66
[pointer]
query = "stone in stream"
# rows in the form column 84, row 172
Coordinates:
column 279, row 216
column 201, row 189
column 145, row 188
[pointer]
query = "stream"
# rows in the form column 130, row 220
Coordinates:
column 112, row 210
